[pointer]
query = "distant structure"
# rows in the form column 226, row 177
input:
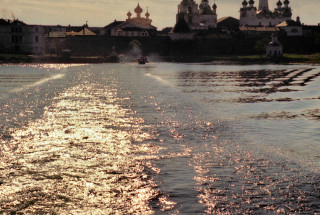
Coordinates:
column 262, row 16
column 134, row 26
column 18, row 37
column 201, row 17
column 274, row 48
column 292, row 28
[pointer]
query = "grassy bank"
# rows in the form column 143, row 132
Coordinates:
column 247, row 59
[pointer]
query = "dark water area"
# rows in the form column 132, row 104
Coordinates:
column 159, row 139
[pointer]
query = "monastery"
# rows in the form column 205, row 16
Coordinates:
column 263, row 16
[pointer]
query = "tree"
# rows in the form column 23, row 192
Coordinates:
column 317, row 40
column 261, row 45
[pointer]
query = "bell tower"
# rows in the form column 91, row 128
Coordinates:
column 263, row 5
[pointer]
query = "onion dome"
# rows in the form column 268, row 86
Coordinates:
column 129, row 14
column 251, row 2
column 279, row 3
column 147, row 14
column 286, row 2
column 245, row 3
column 138, row 9
column 214, row 6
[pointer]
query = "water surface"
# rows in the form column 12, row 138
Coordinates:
column 159, row 139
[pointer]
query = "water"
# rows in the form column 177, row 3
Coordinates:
column 159, row 139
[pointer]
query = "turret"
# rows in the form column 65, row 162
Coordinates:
column 147, row 14
column 298, row 20
column 129, row 15
column 279, row 4
column 251, row 3
column 286, row 3
column 214, row 7
column 244, row 3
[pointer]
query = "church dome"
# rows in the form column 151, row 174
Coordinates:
column 138, row 9
column 279, row 3
column 286, row 2
column 251, row 2
column 147, row 14
column 245, row 3
column 129, row 14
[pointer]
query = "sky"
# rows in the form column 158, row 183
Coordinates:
column 100, row 13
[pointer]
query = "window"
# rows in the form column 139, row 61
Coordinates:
column 36, row 39
column 37, row 30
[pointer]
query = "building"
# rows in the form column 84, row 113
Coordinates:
column 18, row 37
column 5, row 35
column 106, row 31
column 262, row 16
column 274, row 48
column 292, row 28
column 198, row 17
column 134, row 26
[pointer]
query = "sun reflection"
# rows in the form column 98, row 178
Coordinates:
column 78, row 159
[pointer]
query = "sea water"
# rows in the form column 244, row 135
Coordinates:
column 160, row 138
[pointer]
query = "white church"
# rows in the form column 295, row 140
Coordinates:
column 198, row 17
column 263, row 16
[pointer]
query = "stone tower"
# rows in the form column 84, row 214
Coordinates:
column 263, row 5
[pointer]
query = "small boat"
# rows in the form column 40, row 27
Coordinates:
column 142, row 60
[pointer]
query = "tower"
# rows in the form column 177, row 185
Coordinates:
column 263, row 5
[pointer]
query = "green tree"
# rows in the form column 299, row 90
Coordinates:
column 261, row 45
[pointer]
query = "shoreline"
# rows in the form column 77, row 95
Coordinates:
column 311, row 59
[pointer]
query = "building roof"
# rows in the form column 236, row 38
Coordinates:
column 113, row 24
column 83, row 32
column 181, row 26
column 288, row 23
column 227, row 18
column 4, row 22
column 228, row 22
column 259, row 29
column 18, row 22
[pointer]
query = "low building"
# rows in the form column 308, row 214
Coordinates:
column 274, row 48
column 292, row 28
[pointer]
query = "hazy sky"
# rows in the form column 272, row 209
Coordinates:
column 99, row 13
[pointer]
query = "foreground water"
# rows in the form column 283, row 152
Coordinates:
column 159, row 139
